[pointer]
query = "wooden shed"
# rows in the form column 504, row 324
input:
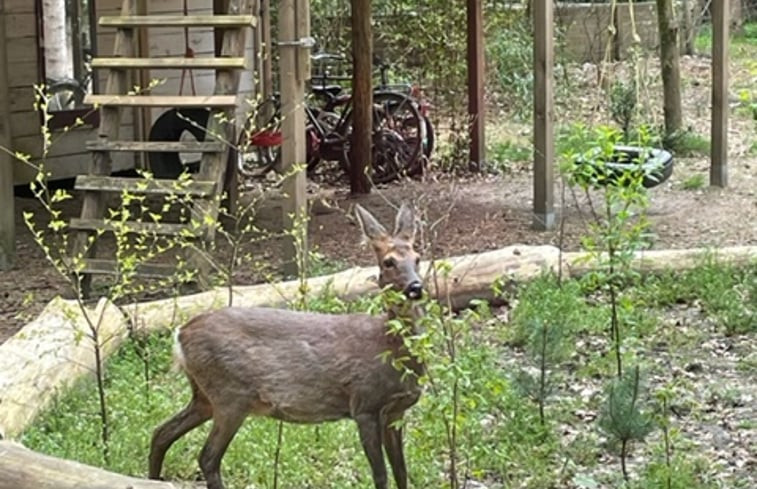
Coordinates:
column 34, row 57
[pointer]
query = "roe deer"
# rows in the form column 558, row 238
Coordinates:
column 302, row 367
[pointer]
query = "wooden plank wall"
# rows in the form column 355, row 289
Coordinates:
column 7, row 212
column 67, row 156
column 171, row 42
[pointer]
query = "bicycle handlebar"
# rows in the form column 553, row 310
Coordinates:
column 317, row 57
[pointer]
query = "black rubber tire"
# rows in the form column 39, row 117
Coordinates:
column 428, row 147
column 169, row 127
column 656, row 169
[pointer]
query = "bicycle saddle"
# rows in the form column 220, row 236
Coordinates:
column 332, row 90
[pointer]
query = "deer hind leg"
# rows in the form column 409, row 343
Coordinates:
column 369, row 426
column 395, row 454
column 226, row 422
column 197, row 412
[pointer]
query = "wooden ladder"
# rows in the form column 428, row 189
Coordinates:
column 206, row 186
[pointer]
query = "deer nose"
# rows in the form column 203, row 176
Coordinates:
column 414, row 290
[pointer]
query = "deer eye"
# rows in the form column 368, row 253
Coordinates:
column 418, row 261
column 389, row 263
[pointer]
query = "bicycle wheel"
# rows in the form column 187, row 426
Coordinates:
column 429, row 140
column 259, row 145
column 398, row 134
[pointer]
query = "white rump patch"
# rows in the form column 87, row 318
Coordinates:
column 178, row 355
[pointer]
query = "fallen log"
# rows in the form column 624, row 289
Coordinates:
column 21, row 468
column 657, row 261
column 48, row 354
column 469, row 277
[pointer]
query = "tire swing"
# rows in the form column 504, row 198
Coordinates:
column 170, row 126
column 174, row 123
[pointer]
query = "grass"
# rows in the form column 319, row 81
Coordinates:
column 694, row 182
column 743, row 41
column 500, row 440
column 687, row 143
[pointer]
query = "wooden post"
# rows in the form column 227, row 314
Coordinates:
column 362, row 97
column 267, row 51
column 476, row 109
column 143, row 116
column 7, row 214
column 292, row 28
column 719, row 120
column 544, row 144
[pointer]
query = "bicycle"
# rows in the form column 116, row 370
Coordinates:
column 415, row 94
column 397, row 134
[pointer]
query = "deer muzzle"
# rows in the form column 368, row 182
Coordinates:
column 414, row 290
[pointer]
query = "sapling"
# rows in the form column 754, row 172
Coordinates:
column 622, row 416
column 618, row 227
column 134, row 245
column 545, row 348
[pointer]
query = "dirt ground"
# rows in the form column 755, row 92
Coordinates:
column 484, row 212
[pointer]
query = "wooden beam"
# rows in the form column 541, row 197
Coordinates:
column 7, row 214
column 142, row 116
column 180, row 101
column 226, row 21
column 293, row 152
column 267, row 51
column 719, row 117
column 544, row 144
column 362, row 97
column 170, row 63
column 156, row 146
column 476, row 108
column 143, row 186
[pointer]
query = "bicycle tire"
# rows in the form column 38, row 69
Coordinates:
column 430, row 140
column 259, row 143
column 398, row 133
column 401, row 132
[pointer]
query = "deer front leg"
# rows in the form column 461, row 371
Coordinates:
column 394, row 451
column 370, row 436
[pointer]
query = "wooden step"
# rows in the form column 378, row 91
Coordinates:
column 171, row 63
column 131, row 21
column 155, row 186
column 156, row 146
column 109, row 267
column 158, row 228
column 178, row 101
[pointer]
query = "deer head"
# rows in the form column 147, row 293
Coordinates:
column 397, row 260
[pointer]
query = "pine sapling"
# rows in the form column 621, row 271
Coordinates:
column 622, row 416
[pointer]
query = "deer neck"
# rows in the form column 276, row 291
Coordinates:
column 407, row 312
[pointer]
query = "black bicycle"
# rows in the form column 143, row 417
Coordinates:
column 398, row 133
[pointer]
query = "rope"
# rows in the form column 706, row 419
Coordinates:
column 188, row 53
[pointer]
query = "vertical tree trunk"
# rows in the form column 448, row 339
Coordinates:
column 688, row 26
column 58, row 55
column 669, row 60
column 362, row 97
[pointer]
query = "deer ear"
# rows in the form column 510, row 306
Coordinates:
column 372, row 229
column 404, row 226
